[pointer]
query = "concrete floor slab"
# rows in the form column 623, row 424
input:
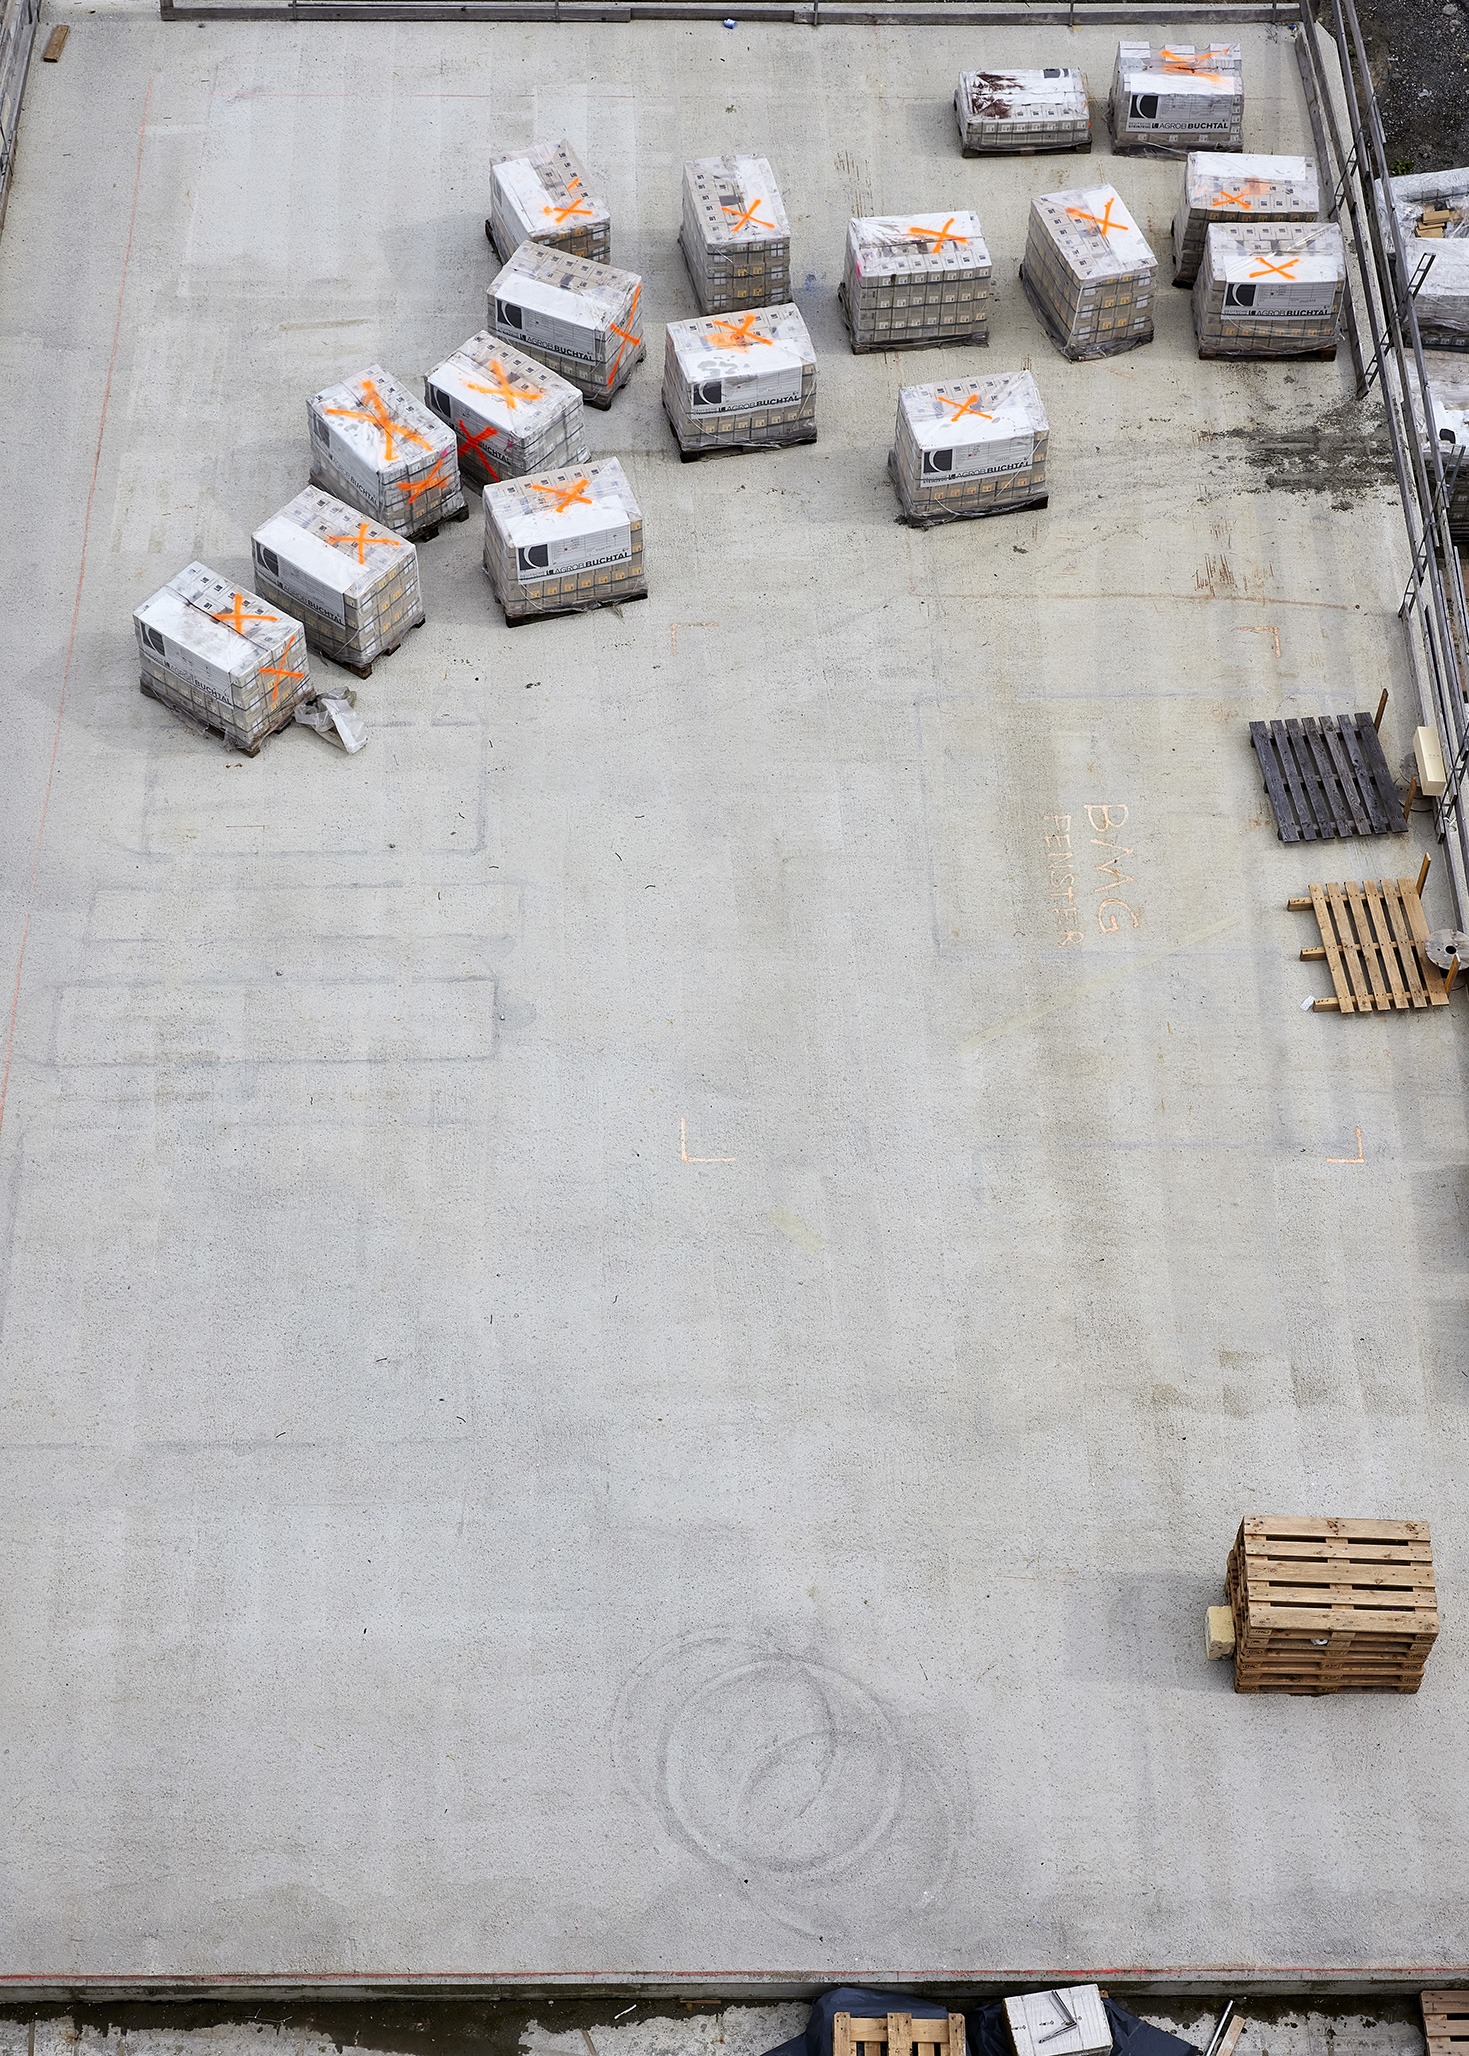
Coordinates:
column 618, row 1362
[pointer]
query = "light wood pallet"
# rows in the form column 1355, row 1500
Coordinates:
column 897, row 2033
column 1446, row 2023
column 1325, row 1605
column 1373, row 939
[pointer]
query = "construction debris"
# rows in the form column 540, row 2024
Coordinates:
column 915, row 280
column 583, row 320
column 740, row 381
column 335, row 716
column 511, row 414
column 543, row 195
column 1167, row 102
column 968, row 447
column 223, row 659
column 376, row 447
column 1270, row 291
column 1432, row 210
column 354, row 583
column 1324, row 1605
column 1089, row 272
column 1070, row 2022
column 734, row 235
column 1022, row 111
column 1221, row 186
column 564, row 543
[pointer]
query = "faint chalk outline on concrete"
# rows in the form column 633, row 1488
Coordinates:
column 1359, row 1158
column 790, row 1776
column 683, row 1144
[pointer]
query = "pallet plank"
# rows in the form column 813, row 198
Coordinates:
column 1347, row 742
column 1370, row 744
column 1386, row 942
column 1321, row 776
column 1413, row 908
column 1291, row 771
column 1287, row 827
column 1331, row 746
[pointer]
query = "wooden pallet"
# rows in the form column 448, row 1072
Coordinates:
column 1446, row 2023
column 1327, row 778
column 899, row 2034
column 1324, row 1605
column 1373, row 940
column 192, row 718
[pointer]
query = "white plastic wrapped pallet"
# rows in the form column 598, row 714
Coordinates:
column 378, row 448
column 1270, row 289
column 1441, row 293
column 1174, row 99
column 734, row 235
column 511, row 414
column 1005, row 111
column 969, row 446
column 543, row 195
column 740, row 381
column 226, row 658
column 1449, row 412
column 916, row 279
column 354, row 581
column 582, row 319
column 1221, row 185
column 1089, row 272
column 564, row 543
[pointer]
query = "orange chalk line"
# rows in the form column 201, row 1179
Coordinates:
column 75, row 612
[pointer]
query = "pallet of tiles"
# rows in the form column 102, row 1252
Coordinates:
column 582, row 320
column 1226, row 186
column 1272, row 290
column 734, row 235
column 227, row 660
column 564, row 543
column 1446, row 2023
column 1374, row 941
column 352, row 581
column 740, row 381
column 914, row 280
column 510, row 414
column 1089, row 273
column 543, row 195
column 1331, row 1605
column 1022, row 112
column 1449, row 405
column 1167, row 102
column 376, row 447
column 969, row 447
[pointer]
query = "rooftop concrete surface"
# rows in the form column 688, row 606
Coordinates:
column 617, row 1364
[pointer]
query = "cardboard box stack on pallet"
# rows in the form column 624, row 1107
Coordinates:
column 915, row 280
column 734, row 235
column 1325, row 1605
column 740, row 381
column 1089, row 273
column 1270, row 291
column 969, row 446
column 584, row 320
column 564, row 543
column 1224, row 186
column 1167, row 102
column 511, row 415
column 376, row 447
column 543, row 195
column 1002, row 112
column 354, row 582
column 224, row 658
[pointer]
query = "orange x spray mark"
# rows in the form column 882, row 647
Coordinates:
column 362, row 539
column 425, row 485
column 236, row 616
column 749, row 219
column 740, row 338
column 937, row 236
column 572, row 206
column 1194, row 64
column 961, row 407
column 563, row 495
column 469, row 445
column 374, row 411
column 1103, row 220
column 1283, row 270
column 626, row 334
column 502, row 389
column 274, row 671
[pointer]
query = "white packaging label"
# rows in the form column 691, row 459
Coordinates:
column 547, row 315
column 978, row 460
column 725, row 383
column 579, row 538
column 1285, row 299
column 309, row 569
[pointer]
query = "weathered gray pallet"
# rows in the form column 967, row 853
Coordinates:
column 1327, row 778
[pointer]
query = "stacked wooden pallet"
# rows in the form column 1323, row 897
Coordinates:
column 1446, row 2023
column 1323, row 1605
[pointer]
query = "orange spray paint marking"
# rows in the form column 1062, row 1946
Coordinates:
column 470, row 445
column 275, row 672
column 740, row 338
column 1281, row 270
column 502, row 388
column 1103, row 220
column 969, row 406
column 745, row 220
column 235, row 616
column 362, row 539
column 626, row 335
column 564, row 496
column 376, row 414
column 937, row 236
column 416, row 492
column 1359, row 1158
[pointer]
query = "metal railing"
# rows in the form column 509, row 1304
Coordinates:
column 17, row 36
column 1390, row 354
